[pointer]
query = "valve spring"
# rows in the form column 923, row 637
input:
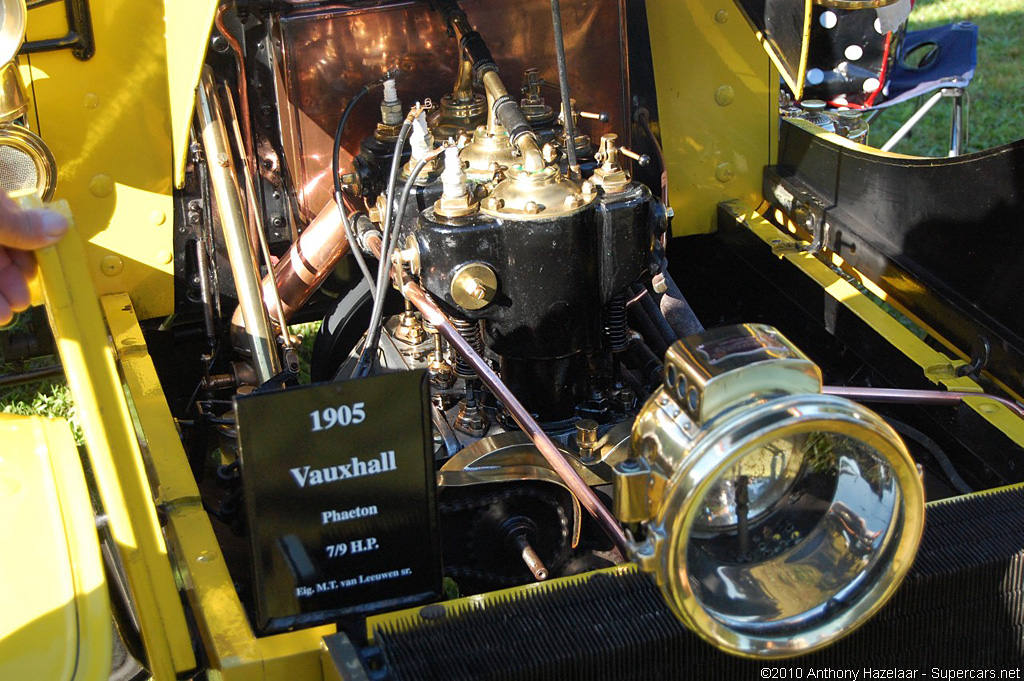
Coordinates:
column 615, row 330
column 470, row 330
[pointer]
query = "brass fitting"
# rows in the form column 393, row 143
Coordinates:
column 586, row 439
column 474, row 286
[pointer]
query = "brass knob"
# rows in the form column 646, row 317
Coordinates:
column 642, row 159
column 600, row 116
column 474, row 286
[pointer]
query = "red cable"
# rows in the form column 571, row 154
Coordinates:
column 881, row 77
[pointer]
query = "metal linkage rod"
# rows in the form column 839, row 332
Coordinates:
column 227, row 196
column 586, row 496
column 907, row 396
column 563, row 86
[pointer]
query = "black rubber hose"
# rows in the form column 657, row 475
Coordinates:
column 654, row 334
column 388, row 243
column 383, row 269
column 642, row 360
column 357, row 251
column 958, row 483
column 336, row 173
column 471, row 43
column 673, row 305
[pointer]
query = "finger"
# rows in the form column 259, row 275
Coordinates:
column 6, row 314
column 29, row 229
column 26, row 262
column 14, row 288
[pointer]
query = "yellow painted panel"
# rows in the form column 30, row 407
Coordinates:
column 114, row 453
column 717, row 107
column 107, row 121
column 188, row 31
column 55, row 620
column 174, row 481
column 92, row 601
column 38, row 628
column 232, row 648
column 936, row 366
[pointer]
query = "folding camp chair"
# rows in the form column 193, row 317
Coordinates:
column 938, row 61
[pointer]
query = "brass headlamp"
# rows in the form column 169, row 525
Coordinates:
column 25, row 161
column 775, row 519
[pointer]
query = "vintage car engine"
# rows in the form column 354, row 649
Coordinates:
column 476, row 197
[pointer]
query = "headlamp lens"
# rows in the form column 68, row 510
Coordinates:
column 803, row 523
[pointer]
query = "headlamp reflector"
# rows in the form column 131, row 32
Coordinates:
column 781, row 521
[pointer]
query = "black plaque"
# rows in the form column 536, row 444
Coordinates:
column 339, row 490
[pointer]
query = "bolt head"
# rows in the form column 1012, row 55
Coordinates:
column 724, row 95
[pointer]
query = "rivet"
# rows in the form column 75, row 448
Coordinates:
column 111, row 265
column 206, row 556
column 158, row 217
column 101, row 186
column 165, row 257
column 722, row 16
column 91, row 101
column 223, row 160
column 723, row 172
column 724, row 95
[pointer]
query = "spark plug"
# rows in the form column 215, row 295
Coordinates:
column 391, row 107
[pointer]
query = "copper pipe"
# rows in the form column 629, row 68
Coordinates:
column 243, row 84
column 306, row 264
column 433, row 314
column 531, row 559
column 906, row 396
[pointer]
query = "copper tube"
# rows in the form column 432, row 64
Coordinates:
column 906, row 396
column 243, row 84
column 310, row 259
column 433, row 314
column 531, row 559
column 256, row 226
column 306, row 264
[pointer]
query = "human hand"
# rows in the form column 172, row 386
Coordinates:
column 21, row 232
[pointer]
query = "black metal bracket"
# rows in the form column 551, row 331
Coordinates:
column 79, row 38
column 980, row 354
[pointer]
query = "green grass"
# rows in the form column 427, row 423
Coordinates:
column 996, row 93
column 52, row 397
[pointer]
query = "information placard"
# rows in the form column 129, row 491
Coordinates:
column 339, row 490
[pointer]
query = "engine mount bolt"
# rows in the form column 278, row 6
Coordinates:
column 724, row 95
column 112, row 265
column 586, row 439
